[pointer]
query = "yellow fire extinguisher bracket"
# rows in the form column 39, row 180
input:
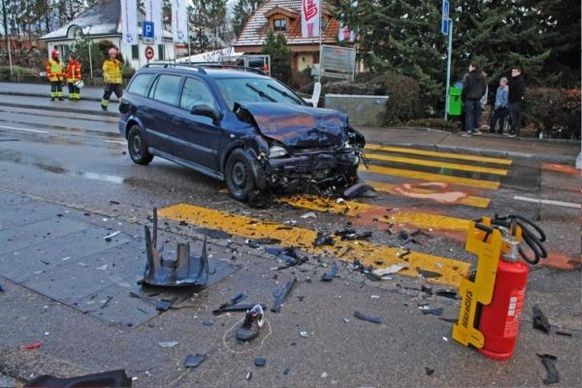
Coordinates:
column 488, row 244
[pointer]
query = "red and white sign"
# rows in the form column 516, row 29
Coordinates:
column 149, row 52
column 310, row 18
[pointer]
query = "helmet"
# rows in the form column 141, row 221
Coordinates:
column 55, row 53
column 112, row 51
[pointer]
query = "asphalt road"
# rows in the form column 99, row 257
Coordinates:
column 67, row 182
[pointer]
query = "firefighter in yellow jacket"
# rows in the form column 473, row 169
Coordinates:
column 111, row 77
column 73, row 75
column 54, row 73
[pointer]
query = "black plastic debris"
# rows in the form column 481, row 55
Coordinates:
column 427, row 274
column 349, row 234
column 323, row 239
column 260, row 361
column 359, row 190
column 282, row 295
column 426, row 288
column 329, row 275
column 164, row 304
column 368, row 318
column 563, row 333
column 549, row 363
column 182, row 271
column 288, row 254
column 194, row 360
column 446, row 294
column 208, row 322
column 428, row 371
column 115, row 378
column 236, row 308
column 540, row 321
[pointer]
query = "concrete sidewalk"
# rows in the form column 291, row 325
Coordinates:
column 546, row 150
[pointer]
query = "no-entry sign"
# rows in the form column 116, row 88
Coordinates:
column 149, row 52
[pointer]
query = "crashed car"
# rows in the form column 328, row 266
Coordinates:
column 237, row 125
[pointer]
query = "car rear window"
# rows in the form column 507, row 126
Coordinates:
column 141, row 84
column 167, row 89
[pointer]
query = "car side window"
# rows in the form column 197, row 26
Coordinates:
column 141, row 84
column 196, row 92
column 167, row 89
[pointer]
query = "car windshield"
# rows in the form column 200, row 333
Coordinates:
column 256, row 90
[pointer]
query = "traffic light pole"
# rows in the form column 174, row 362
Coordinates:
column 450, row 50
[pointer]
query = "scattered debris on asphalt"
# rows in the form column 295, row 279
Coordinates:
column 348, row 234
column 168, row 344
column 329, row 275
column 236, row 308
column 394, row 268
column 260, row 361
column 323, row 239
column 304, row 334
column 233, row 301
column 194, row 360
column 112, row 202
column 428, row 274
column 115, row 378
column 549, row 363
column 282, row 294
column 540, row 321
column 111, row 235
column 308, row 215
column 446, row 294
column 368, row 318
column 288, row 255
column 360, row 190
column 249, row 375
column 254, row 320
column 183, row 270
column 426, row 310
column 33, row 345
column 256, row 243
column 164, row 304
column 564, row 333
column 208, row 322
column 429, row 371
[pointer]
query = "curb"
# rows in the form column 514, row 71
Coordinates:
column 44, row 95
column 65, row 109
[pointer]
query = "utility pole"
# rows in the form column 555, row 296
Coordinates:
column 6, row 37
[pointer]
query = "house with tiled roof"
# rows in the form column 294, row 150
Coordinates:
column 284, row 17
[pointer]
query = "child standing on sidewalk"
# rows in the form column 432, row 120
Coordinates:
column 500, row 109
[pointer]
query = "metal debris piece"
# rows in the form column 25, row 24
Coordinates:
column 549, row 363
column 323, row 239
column 329, row 275
column 368, row 318
column 282, row 295
column 260, row 361
column 194, row 360
column 427, row 274
column 394, row 268
column 182, row 271
column 540, row 321
column 164, row 304
column 115, row 378
column 168, row 344
column 358, row 190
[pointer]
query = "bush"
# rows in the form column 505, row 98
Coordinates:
column 553, row 112
column 16, row 71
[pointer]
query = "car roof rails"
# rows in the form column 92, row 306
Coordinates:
column 201, row 65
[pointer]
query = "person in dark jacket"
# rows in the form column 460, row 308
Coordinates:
column 473, row 90
column 515, row 98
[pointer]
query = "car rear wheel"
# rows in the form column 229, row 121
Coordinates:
column 239, row 175
column 138, row 147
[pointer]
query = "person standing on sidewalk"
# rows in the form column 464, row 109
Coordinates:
column 111, row 77
column 54, row 73
column 515, row 97
column 473, row 91
column 73, row 74
column 500, row 108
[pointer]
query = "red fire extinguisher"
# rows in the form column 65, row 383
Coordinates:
column 499, row 320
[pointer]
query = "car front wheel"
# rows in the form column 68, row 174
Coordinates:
column 138, row 147
column 239, row 175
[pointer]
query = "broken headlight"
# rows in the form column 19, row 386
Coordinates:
column 277, row 151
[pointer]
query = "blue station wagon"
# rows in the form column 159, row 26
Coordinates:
column 237, row 125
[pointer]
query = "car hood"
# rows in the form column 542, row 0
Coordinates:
column 299, row 126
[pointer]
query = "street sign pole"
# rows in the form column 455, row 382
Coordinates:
column 447, row 98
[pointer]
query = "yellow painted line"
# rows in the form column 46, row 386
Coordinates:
column 427, row 176
column 383, row 214
column 448, row 155
column 440, row 197
column 368, row 253
column 434, row 163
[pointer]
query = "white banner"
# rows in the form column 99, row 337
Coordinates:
column 180, row 21
column 153, row 13
column 310, row 18
column 129, row 21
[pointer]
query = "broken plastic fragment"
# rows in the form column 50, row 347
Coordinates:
column 549, row 363
column 168, row 344
column 323, row 239
column 308, row 215
column 429, row 371
column 329, row 275
column 540, row 321
column 111, row 235
column 427, row 274
column 260, row 361
column 33, row 346
column 432, row 310
column 368, row 318
column 192, row 361
column 394, row 268
column 304, row 334
column 164, row 305
column 282, row 295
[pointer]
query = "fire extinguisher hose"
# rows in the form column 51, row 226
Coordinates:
column 532, row 234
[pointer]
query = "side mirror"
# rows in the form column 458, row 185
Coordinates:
column 206, row 110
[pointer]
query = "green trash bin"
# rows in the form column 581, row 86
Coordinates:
column 455, row 102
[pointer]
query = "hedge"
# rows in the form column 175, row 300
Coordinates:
column 553, row 112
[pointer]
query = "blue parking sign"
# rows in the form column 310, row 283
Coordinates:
column 148, row 30
column 445, row 18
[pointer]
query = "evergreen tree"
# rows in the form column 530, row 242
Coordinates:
column 209, row 24
column 276, row 46
column 242, row 11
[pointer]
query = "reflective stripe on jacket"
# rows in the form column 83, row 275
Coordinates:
column 112, row 71
column 54, row 70
column 73, row 71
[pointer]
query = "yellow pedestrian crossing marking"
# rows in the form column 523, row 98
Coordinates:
column 426, row 176
column 382, row 214
column 439, row 164
column 449, row 197
column 449, row 155
column 451, row 270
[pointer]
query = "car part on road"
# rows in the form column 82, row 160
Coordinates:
column 233, row 301
column 367, row 318
column 329, row 275
column 182, row 271
column 193, row 361
column 540, row 321
column 288, row 254
column 549, row 363
column 492, row 299
column 282, row 295
column 254, row 320
column 115, row 378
